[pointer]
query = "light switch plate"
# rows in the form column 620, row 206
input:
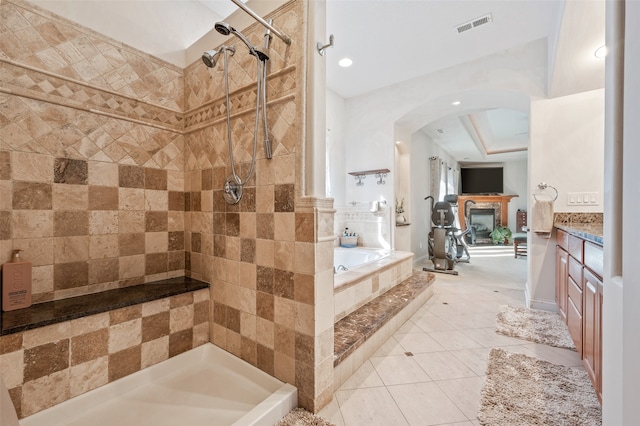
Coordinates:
column 583, row 198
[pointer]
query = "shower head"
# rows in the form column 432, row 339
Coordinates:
column 226, row 29
column 210, row 57
column 223, row 28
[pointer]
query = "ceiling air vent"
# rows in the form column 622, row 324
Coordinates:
column 474, row 23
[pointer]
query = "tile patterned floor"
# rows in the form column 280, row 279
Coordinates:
column 431, row 371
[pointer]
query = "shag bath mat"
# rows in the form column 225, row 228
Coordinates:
column 301, row 417
column 521, row 390
column 534, row 325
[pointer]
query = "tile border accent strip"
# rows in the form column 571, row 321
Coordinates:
column 243, row 99
column 76, row 94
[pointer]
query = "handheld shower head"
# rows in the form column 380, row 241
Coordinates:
column 223, row 28
column 210, row 57
column 226, row 29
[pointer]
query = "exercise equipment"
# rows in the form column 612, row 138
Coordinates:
column 446, row 243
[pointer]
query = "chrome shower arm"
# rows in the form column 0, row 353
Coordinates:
column 267, row 25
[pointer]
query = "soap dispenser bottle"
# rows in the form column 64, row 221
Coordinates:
column 16, row 283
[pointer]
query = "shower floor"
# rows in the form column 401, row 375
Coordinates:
column 204, row 386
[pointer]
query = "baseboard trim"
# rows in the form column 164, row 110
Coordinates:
column 542, row 304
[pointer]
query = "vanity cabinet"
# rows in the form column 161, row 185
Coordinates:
column 562, row 275
column 579, row 268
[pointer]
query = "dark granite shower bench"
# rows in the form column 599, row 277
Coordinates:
column 47, row 313
column 352, row 331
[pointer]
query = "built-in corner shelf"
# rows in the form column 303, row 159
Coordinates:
column 379, row 173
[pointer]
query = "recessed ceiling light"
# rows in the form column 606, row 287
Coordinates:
column 456, row 103
column 600, row 52
column 345, row 62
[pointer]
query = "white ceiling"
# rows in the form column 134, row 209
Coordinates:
column 390, row 41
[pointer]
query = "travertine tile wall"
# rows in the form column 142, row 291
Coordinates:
column 91, row 150
column 104, row 144
column 264, row 255
column 48, row 365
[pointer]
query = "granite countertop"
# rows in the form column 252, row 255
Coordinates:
column 47, row 313
column 588, row 231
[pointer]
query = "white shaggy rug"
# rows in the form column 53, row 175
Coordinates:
column 534, row 325
column 521, row 390
column 302, row 417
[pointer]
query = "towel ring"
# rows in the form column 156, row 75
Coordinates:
column 542, row 186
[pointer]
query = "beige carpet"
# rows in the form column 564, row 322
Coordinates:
column 301, row 417
column 534, row 325
column 521, row 390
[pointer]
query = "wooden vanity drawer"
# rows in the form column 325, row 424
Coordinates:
column 562, row 239
column 574, row 323
column 575, row 247
column 575, row 270
column 594, row 258
column 575, row 294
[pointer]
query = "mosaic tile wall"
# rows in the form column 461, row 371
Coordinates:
column 48, row 365
column 112, row 164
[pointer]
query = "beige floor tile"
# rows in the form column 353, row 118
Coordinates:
column 390, row 347
column 371, row 407
column 454, row 340
column 418, row 343
column 364, row 377
column 488, row 337
column 399, row 369
column 409, row 327
column 442, row 366
column 432, row 323
column 559, row 356
column 486, row 319
column 476, row 359
column 425, row 404
column 331, row 412
column 465, row 393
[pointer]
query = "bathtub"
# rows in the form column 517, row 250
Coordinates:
column 204, row 386
column 346, row 259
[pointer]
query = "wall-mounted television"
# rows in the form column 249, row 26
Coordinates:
column 481, row 180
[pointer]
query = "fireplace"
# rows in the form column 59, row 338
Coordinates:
column 498, row 202
column 484, row 221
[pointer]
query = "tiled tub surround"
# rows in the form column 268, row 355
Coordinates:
column 45, row 366
column 354, row 288
column 373, row 228
column 361, row 333
column 67, row 93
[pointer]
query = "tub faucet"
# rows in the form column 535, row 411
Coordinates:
column 340, row 268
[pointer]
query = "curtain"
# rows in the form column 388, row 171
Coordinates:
column 437, row 168
column 443, row 179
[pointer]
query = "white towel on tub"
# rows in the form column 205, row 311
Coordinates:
column 542, row 216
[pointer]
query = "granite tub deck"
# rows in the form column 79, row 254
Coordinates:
column 358, row 335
